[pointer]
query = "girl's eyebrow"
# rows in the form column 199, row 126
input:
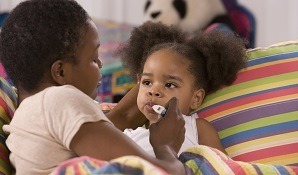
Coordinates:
column 171, row 77
column 145, row 74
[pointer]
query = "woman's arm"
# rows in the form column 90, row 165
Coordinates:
column 207, row 135
column 126, row 113
column 103, row 141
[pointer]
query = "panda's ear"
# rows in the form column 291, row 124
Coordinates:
column 148, row 3
column 180, row 5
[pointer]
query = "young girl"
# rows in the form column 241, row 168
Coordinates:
column 50, row 51
column 169, row 65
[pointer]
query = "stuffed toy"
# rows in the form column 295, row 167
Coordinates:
column 3, row 17
column 194, row 15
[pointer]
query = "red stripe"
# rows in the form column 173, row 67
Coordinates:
column 4, row 155
column 267, row 71
column 247, row 100
column 6, row 108
column 268, row 152
column 234, row 166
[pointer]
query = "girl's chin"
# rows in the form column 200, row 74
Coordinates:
column 152, row 117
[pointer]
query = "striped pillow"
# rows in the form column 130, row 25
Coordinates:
column 257, row 116
column 8, row 100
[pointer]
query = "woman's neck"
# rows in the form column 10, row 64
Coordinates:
column 22, row 93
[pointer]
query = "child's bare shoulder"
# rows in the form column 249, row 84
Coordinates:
column 203, row 127
column 202, row 122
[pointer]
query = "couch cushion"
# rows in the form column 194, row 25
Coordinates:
column 257, row 116
column 8, row 100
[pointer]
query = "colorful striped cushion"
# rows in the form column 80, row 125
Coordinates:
column 131, row 165
column 257, row 116
column 8, row 100
column 197, row 160
column 206, row 160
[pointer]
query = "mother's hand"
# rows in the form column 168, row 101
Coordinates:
column 169, row 130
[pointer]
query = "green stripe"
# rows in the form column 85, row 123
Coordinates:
column 275, row 119
column 194, row 167
column 274, row 50
column 267, row 169
column 252, row 83
column 6, row 167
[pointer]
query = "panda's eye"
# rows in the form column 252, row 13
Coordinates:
column 148, row 3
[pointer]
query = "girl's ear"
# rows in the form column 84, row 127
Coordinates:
column 198, row 98
column 57, row 72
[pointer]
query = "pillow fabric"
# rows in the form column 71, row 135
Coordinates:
column 8, row 101
column 199, row 160
column 207, row 160
column 124, row 165
column 257, row 116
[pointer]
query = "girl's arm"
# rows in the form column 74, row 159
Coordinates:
column 103, row 141
column 207, row 135
column 126, row 113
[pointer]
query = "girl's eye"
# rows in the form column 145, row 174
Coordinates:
column 146, row 82
column 170, row 85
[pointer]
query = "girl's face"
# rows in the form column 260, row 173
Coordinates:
column 164, row 76
column 85, row 75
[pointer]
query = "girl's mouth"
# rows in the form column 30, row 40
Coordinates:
column 149, row 108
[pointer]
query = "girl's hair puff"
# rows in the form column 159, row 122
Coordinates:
column 134, row 53
column 223, row 54
column 214, row 58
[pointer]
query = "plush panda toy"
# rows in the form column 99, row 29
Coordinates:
column 194, row 15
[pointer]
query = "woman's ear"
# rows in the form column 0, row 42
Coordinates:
column 198, row 98
column 57, row 72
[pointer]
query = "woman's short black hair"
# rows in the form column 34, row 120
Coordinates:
column 36, row 34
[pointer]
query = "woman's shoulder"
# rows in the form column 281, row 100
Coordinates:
column 66, row 95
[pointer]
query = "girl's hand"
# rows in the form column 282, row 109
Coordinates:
column 169, row 130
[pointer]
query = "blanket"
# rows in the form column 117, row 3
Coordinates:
column 197, row 160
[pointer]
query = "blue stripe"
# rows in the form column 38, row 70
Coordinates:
column 118, row 168
column 260, row 132
column 271, row 58
column 200, row 161
column 282, row 170
column 257, row 169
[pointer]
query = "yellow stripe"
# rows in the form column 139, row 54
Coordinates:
column 213, row 158
column 69, row 170
column 257, row 144
column 247, row 168
column 280, row 160
column 137, row 162
column 267, row 169
column 275, row 119
column 271, row 63
column 4, row 115
column 250, row 90
column 250, row 106
column 8, row 101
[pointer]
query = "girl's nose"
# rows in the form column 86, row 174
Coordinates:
column 154, row 93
